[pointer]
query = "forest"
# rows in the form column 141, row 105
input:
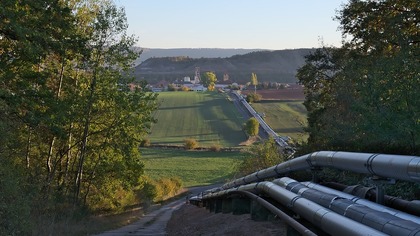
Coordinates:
column 364, row 96
column 70, row 128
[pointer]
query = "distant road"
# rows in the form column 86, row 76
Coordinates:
column 245, row 113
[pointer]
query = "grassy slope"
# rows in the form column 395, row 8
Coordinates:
column 286, row 118
column 193, row 167
column 206, row 117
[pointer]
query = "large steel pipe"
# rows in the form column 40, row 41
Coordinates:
column 286, row 218
column 364, row 202
column 382, row 165
column 327, row 220
column 378, row 220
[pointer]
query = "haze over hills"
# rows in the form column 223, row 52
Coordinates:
column 270, row 66
column 191, row 52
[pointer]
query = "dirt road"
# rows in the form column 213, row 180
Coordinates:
column 154, row 223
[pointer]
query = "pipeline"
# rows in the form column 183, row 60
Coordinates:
column 383, row 165
column 328, row 221
column 355, row 199
column 411, row 207
column 286, row 218
column 381, row 221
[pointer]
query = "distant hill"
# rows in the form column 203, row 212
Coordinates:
column 275, row 66
column 191, row 52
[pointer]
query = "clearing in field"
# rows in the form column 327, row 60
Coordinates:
column 194, row 168
column 208, row 117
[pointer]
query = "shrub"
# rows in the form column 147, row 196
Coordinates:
column 166, row 188
column 260, row 156
column 253, row 97
column 215, row 148
column 145, row 143
column 191, row 144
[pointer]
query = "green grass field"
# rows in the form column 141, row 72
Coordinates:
column 194, row 168
column 286, row 118
column 207, row 117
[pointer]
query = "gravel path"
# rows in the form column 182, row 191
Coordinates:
column 154, row 223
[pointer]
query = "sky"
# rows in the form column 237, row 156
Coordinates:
column 248, row 24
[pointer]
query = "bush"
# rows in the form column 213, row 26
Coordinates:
column 215, row 148
column 259, row 157
column 253, row 97
column 191, row 144
column 165, row 188
column 145, row 143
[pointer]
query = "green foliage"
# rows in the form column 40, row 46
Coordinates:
column 14, row 201
column 67, row 118
column 260, row 156
column 363, row 97
column 254, row 81
column 253, row 97
column 252, row 127
column 209, row 80
column 166, row 188
column 190, row 144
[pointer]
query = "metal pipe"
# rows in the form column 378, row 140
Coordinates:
column 289, row 220
column 383, row 165
column 364, row 202
column 411, row 207
column 381, row 221
column 327, row 220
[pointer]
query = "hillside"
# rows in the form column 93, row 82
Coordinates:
column 278, row 66
column 191, row 52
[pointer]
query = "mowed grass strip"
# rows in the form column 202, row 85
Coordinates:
column 286, row 118
column 194, row 168
column 208, row 117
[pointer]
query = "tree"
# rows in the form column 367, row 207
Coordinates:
column 363, row 97
column 252, row 127
column 66, row 118
column 209, row 80
column 254, row 81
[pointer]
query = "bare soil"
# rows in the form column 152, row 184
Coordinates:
column 193, row 220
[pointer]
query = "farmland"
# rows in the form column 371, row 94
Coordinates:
column 286, row 118
column 211, row 119
column 207, row 117
column 192, row 167
column 284, row 110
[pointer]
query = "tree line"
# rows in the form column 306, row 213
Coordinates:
column 70, row 127
column 364, row 96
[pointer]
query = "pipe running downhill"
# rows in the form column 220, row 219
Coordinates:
column 379, row 220
column 383, row 165
column 327, row 220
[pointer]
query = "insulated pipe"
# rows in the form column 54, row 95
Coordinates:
column 411, row 207
column 364, row 202
column 383, row 165
column 381, row 221
column 328, row 221
column 289, row 220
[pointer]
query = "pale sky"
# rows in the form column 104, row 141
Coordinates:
column 248, row 24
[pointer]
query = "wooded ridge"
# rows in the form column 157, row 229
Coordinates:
column 276, row 66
